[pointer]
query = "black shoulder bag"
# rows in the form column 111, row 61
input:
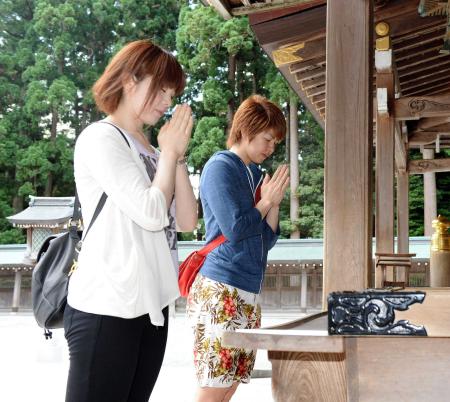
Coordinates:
column 56, row 260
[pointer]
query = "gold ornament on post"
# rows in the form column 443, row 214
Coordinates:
column 440, row 253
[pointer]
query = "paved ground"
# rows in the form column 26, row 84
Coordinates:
column 35, row 369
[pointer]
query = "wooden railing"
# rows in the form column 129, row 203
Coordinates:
column 286, row 286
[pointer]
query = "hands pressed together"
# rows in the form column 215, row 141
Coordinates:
column 273, row 188
column 175, row 134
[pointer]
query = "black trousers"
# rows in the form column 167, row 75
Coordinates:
column 112, row 359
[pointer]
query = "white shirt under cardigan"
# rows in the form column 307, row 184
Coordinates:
column 125, row 267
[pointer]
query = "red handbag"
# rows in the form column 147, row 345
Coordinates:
column 191, row 265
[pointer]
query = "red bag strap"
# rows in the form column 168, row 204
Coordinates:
column 212, row 245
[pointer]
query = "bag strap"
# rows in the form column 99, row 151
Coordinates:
column 117, row 128
column 212, row 245
column 100, row 205
column 77, row 206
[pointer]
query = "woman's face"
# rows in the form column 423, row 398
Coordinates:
column 260, row 147
column 153, row 111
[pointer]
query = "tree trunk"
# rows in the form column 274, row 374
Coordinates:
column 18, row 203
column 54, row 123
column 49, row 184
column 294, row 174
column 240, row 81
column 232, row 83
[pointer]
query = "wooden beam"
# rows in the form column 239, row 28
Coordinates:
column 299, row 51
column 312, row 83
column 438, row 91
column 302, row 65
column 416, row 107
column 417, row 60
column 414, row 79
column 420, row 50
column 408, row 21
column 316, row 91
column 258, row 18
column 310, row 74
column 429, row 166
column 292, row 28
column 424, row 67
column 426, row 88
column 420, row 40
column 318, row 98
column 320, row 105
column 348, row 146
column 441, row 77
column 418, row 138
column 429, row 122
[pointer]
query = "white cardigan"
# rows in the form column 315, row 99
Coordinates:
column 125, row 267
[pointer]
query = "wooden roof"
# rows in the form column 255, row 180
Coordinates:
column 292, row 33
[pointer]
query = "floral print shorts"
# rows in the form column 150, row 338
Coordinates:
column 214, row 307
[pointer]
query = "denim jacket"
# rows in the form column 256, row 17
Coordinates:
column 227, row 191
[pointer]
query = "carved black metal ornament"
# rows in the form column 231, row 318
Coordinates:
column 372, row 313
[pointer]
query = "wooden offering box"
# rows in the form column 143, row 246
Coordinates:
column 310, row 365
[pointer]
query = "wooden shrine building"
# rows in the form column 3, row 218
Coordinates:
column 376, row 76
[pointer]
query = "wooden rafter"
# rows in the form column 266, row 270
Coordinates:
column 303, row 65
column 425, row 67
column 429, row 80
column 428, row 89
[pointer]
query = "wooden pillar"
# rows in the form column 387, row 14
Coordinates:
column 429, row 195
column 401, row 161
column 293, row 171
column 385, row 171
column 304, row 291
column 16, row 292
column 402, row 212
column 348, row 146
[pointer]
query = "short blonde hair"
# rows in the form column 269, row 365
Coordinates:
column 254, row 115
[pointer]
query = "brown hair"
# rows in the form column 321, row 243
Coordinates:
column 137, row 60
column 254, row 115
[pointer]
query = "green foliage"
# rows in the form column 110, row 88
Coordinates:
column 215, row 97
column 311, row 146
column 51, row 53
column 208, row 138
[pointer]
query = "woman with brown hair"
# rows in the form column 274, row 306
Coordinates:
column 116, row 319
column 224, row 295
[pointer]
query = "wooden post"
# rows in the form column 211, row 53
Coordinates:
column 293, row 171
column 348, row 146
column 303, row 290
column 429, row 195
column 16, row 292
column 385, row 141
column 401, row 162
